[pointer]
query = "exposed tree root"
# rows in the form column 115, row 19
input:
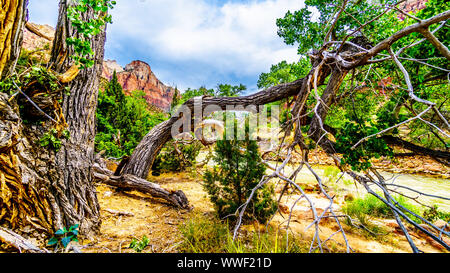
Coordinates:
column 23, row 245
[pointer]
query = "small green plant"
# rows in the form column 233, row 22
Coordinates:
column 139, row 245
column 331, row 171
column 374, row 207
column 169, row 160
column 87, row 28
column 432, row 214
column 370, row 206
column 63, row 237
column 52, row 140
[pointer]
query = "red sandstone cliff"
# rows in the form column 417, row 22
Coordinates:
column 411, row 5
column 135, row 76
column 138, row 76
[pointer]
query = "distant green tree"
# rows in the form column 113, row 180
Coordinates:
column 227, row 90
column 122, row 121
column 222, row 90
column 171, row 160
column 176, row 98
column 239, row 170
column 284, row 72
column 192, row 93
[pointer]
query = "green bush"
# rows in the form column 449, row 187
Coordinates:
column 122, row 121
column 432, row 214
column 230, row 183
column 168, row 160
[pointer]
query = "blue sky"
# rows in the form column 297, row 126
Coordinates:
column 193, row 43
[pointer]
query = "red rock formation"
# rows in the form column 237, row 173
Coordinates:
column 411, row 5
column 136, row 75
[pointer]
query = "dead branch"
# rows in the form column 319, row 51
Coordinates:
column 11, row 238
column 130, row 182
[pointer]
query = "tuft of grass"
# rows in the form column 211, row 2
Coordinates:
column 372, row 206
column 364, row 209
column 331, row 172
column 206, row 235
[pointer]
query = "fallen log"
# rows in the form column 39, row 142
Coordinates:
column 131, row 182
column 11, row 238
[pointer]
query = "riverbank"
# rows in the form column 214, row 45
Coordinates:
column 417, row 164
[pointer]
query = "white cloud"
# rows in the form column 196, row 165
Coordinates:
column 220, row 37
column 239, row 37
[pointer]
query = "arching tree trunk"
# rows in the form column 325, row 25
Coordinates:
column 145, row 153
column 12, row 19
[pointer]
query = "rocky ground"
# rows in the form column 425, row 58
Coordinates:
column 132, row 215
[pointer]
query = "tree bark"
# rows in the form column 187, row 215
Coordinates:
column 75, row 200
column 23, row 245
column 23, row 186
column 12, row 19
column 416, row 149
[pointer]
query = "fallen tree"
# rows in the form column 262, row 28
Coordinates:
column 131, row 182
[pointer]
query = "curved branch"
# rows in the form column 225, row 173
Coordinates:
column 145, row 153
column 386, row 43
column 435, row 42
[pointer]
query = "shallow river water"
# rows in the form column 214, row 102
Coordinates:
column 425, row 184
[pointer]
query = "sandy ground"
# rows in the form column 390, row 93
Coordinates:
column 160, row 221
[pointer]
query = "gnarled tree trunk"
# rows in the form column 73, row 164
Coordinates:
column 39, row 186
column 75, row 199
column 12, row 19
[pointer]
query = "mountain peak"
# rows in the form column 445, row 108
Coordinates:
column 138, row 75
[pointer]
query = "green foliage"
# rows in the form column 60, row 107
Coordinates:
column 86, row 29
column 204, row 235
column 139, row 245
column 309, row 30
column 222, row 90
column 331, row 172
column 239, row 170
column 52, row 139
column 43, row 76
column 63, row 237
column 370, row 98
column 371, row 206
column 176, row 98
column 39, row 76
column 284, row 72
column 192, row 93
column 227, row 90
column 432, row 214
column 168, row 160
column 122, row 121
column 359, row 158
